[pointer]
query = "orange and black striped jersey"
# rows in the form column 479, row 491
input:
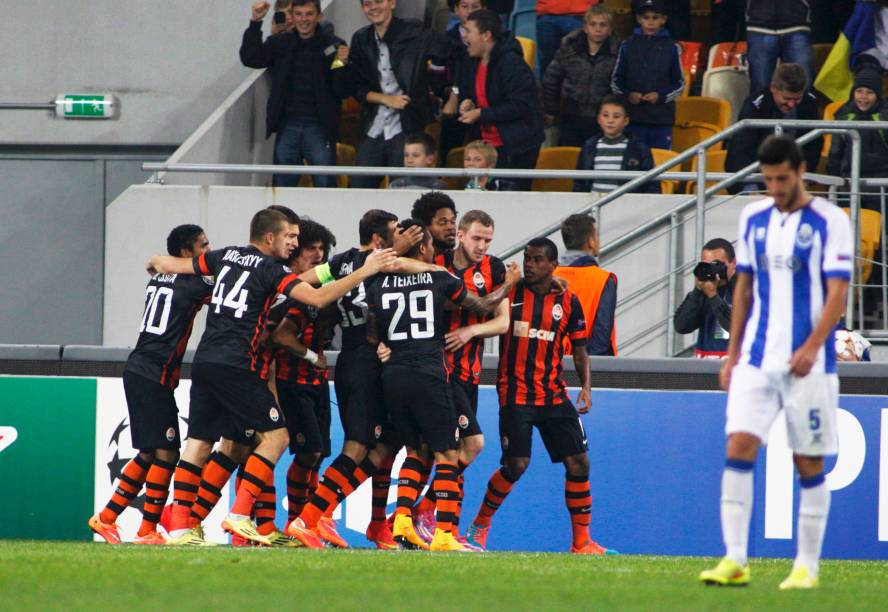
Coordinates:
column 290, row 367
column 481, row 278
column 531, row 351
column 247, row 282
column 171, row 303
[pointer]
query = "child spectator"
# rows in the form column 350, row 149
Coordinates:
column 866, row 104
column 479, row 154
column 579, row 77
column 648, row 73
column 419, row 152
column 614, row 150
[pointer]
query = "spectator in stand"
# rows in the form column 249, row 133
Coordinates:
column 498, row 92
column 866, row 104
column 419, row 152
column 388, row 65
column 579, row 77
column 282, row 20
column 728, row 20
column 648, row 73
column 786, row 98
column 479, row 154
column 708, row 307
column 307, row 87
column 778, row 30
column 555, row 20
column 595, row 287
column 614, row 150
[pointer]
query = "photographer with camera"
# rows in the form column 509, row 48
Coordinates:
column 708, row 307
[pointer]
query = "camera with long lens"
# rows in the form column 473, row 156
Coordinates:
column 711, row 270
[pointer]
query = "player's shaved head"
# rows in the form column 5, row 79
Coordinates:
column 265, row 222
column 292, row 217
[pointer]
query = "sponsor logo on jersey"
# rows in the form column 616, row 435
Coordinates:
column 274, row 415
column 463, row 421
column 478, row 279
column 170, row 434
column 557, row 312
column 780, row 262
column 805, row 236
column 522, row 329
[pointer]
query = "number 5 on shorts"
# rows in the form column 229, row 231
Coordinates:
column 814, row 419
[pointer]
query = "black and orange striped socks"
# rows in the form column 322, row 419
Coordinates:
column 215, row 474
column 578, row 498
column 265, row 508
column 409, row 483
column 128, row 486
column 382, row 481
column 186, row 483
column 498, row 487
column 336, row 476
column 363, row 472
column 157, row 488
column 258, row 475
column 298, row 483
column 446, row 490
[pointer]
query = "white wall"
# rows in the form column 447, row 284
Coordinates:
column 137, row 224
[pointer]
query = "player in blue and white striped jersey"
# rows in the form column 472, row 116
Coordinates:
column 794, row 256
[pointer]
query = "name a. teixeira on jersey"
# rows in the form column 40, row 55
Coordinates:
column 423, row 278
column 247, row 261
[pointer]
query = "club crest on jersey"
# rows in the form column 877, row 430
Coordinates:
column 377, row 432
column 478, row 279
column 760, row 233
column 463, row 421
column 170, row 434
column 805, row 236
column 249, row 432
column 274, row 415
column 557, row 312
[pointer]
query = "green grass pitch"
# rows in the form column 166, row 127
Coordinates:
column 80, row 576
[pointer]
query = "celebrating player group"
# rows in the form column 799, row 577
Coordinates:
column 414, row 303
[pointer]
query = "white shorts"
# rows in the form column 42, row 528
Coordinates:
column 809, row 405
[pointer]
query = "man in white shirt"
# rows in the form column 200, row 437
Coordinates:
column 794, row 257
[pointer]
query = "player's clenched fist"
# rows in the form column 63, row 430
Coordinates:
column 260, row 10
column 513, row 273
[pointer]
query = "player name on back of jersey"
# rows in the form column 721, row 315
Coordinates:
column 423, row 278
column 165, row 278
column 247, row 261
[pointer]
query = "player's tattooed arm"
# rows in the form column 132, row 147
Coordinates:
column 496, row 326
column 167, row 264
column 487, row 305
column 329, row 293
column 740, row 304
column 584, row 372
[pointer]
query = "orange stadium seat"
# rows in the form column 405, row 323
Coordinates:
column 556, row 158
column 529, row 47
column 455, row 160
column 715, row 162
column 829, row 113
column 686, row 135
column 690, row 61
column 700, row 108
column 870, row 239
column 661, row 156
column 345, row 156
column 727, row 54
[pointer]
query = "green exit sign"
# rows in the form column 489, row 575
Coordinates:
column 86, row 106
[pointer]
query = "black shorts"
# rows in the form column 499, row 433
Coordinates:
column 421, row 409
column 307, row 412
column 359, row 395
column 560, row 428
column 230, row 403
column 154, row 417
column 465, row 402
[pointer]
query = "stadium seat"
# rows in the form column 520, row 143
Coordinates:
column 870, row 239
column 690, row 61
column 686, row 135
column 829, row 113
column 661, row 156
column 728, row 83
column 727, row 54
column 522, row 21
column 529, row 47
column 556, row 158
column 455, row 160
column 715, row 162
column 708, row 110
column 350, row 124
column 688, row 81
